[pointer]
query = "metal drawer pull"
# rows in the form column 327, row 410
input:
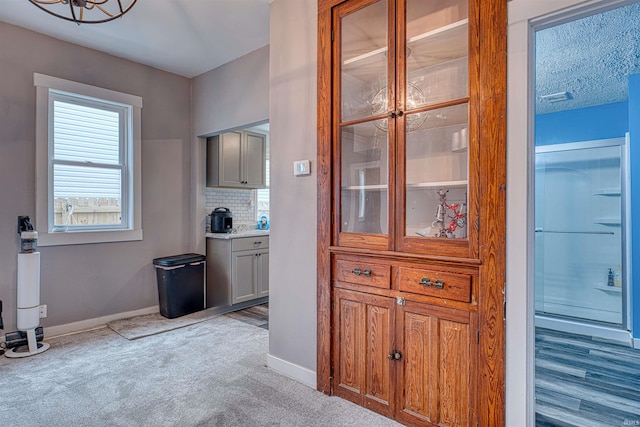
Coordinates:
column 439, row 284
column 358, row 272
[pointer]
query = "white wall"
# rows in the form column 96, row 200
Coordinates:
column 292, row 115
column 80, row 282
column 520, row 357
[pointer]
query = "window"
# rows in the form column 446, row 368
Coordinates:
column 262, row 195
column 87, row 163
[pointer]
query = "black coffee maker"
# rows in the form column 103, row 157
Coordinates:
column 221, row 220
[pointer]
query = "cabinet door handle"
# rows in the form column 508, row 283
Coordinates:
column 439, row 284
column 395, row 355
column 356, row 271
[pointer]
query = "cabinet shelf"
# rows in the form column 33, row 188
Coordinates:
column 366, row 187
column 610, row 290
column 608, row 221
column 411, row 186
column 437, row 184
column 454, row 31
column 607, row 192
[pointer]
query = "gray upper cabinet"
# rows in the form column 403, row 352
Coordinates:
column 237, row 160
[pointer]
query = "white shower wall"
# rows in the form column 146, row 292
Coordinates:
column 579, row 226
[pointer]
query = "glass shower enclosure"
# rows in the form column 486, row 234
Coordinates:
column 580, row 232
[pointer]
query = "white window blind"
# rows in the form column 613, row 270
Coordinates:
column 86, row 135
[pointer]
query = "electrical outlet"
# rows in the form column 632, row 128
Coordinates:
column 43, row 311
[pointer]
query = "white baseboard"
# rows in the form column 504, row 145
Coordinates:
column 97, row 322
column 636, row 343
column 293, row 371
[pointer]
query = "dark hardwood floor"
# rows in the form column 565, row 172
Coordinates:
column 583, row 381
column 258, row 315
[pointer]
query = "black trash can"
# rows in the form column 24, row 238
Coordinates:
column 181, row 285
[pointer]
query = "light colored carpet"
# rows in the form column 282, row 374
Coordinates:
column 211, row 373
column 150, row 324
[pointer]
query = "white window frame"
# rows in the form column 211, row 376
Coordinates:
column 48, row 88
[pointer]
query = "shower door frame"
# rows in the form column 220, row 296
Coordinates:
column 587, row 326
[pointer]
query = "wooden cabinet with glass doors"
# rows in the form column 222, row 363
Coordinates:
column 411, row 180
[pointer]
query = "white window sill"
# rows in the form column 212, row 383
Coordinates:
column 84, row 237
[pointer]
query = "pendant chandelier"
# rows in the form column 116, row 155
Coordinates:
column 85, row 11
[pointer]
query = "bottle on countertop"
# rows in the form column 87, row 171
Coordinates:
column 610, row 278
column 617, row 277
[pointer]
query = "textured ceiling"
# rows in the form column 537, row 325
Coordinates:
column 591, row 58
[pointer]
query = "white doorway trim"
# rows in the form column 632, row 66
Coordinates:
column 526, row 16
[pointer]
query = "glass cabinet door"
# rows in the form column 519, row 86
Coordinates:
column 402, row 128
column 434, row 187
column 363, row 128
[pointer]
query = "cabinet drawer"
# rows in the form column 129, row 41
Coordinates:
column 452, row 286
column 363, row 273
column 248, row 243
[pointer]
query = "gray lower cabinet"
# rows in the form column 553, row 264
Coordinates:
column 237, row 271
column 250, row 275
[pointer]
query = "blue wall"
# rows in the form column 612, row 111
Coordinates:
column 634, row 156
column 583, row 124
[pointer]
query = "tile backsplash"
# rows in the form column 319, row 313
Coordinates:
column 240, row 202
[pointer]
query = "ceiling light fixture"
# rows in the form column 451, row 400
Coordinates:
column 557, row 97
column 85, row 11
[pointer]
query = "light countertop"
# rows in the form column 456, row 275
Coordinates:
column 239, row 234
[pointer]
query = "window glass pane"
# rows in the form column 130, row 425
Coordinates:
column 437, row 164
column 437, row 51
column 86, row 195
column 262, row 195
column 364, row 179
column 86, row 134
column 364, row 62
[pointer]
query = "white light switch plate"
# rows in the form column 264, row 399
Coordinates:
column 301, row 167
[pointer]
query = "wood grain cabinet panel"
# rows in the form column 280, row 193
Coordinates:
column 438, row 364
column 436, row 283
column 412, row 362
column 411, row 207
column 364, row 326
column 363, row 272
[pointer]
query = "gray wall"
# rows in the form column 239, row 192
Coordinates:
column 233, row 95
column 87, row 281
column 292, row 242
